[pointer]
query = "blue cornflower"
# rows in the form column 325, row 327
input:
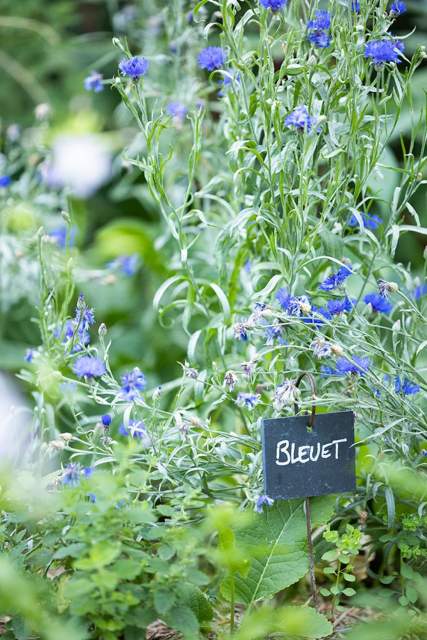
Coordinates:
column 248, row 400
column 94, row 83
column 300, row 119
column 357, row 366
column 84, row 318
column 293, row 305
column 405, row 386
column 261, row 501
column 355, row 6
column 335, row 307
column 87, row 472
column 177, row 110
column 212, row 58
column 136, row 429
column 132, row 383
column 385, row 50
column 91, row 497
column 379, row 303
column 336, row 279
column 128, row 265
column 319, row 38
column 283, row 297
column 273, row 333
column 420, row 291
column 274, row 5
column 71, row 475
column 29, row 355
column 397, row 8
column 226, row 82
column 89, row 367
column 322, row 21
column 240, row 331
column 370, row 221
column 106, row 420
column 135, row 67
column 61, row 236
column 5, row 181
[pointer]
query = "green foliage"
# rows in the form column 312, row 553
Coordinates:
column 107, row 527
column 297, row 622
column 340, row 571
column 275, row 548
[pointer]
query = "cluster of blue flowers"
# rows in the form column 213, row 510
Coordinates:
column 293, row 305
column 212, row 58
column 420, row 291
column 77, row 329
column 300, row 119
column 128, row 265
column 273, row 333
column 5, row 181
column 378, row 302
column 405, row 386
column 336, row 279
column 177, row 110
column 89, row 367
column 274, row 5
column 72, row 475
column 385, row 50
column 343, row 366
column 94, row 82
column 63, row 236
column 135, row 429
column 369, row 221
column 263, row 501
column 133, row 383
column 248, row 400
column 397, row 8
column 135, row 67
column 318, row 29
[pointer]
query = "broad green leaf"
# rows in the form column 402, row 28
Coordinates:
column 275, row 543
column 183, row 619
column 72, row 550
column 100, row 555
column 295, row 622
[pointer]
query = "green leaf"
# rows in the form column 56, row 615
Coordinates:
column 100, row 555
column 163, row 600
column 349, row 577
column 183, row 619
column 349, row 592
column 127, row 569
column 296, row 622
column 330, row 556
column 73, row 550
column 275, row 543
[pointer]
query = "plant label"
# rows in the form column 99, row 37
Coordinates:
column 300, row 462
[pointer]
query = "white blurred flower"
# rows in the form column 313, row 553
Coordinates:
column 42, row 111
column 80, row 162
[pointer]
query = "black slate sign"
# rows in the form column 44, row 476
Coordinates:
column 299, row 462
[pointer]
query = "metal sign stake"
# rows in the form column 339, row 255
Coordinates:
column 307, row 507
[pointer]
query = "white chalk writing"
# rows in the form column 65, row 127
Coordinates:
column 287, row 453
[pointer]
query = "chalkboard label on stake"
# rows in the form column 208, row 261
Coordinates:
column 300, row 462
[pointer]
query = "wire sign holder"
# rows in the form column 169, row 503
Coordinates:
column 309, row 457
